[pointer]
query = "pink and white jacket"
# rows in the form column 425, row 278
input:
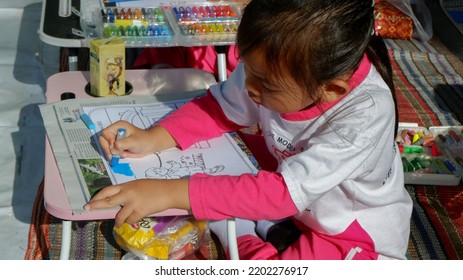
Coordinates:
column 339, row 171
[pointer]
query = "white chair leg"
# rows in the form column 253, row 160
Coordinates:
column 232, row 242
column 231, row 225
column 66, row 232
column 222, row 66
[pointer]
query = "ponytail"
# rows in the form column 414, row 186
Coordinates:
column 378, row 54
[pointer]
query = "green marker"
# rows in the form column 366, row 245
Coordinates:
column 413, row 149
column 417, row 163
column 408, row 167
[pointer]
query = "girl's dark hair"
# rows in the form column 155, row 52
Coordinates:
column 314, row 40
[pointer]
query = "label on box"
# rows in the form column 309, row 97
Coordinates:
column 107, row 67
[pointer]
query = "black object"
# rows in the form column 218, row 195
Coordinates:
column 128, row 89
column 67, row 95
column 60, row 27
column 283, row 234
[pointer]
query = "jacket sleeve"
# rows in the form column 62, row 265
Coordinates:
column 248, row 196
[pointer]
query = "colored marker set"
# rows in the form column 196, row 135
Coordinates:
column 137, row 26
column 167, row 25
column 426, row 155
column 207, row 23
column 151, row 15
column 208, row 28
column 428, row 165
column 452, row 139
column 158, row 30
column 212, row 12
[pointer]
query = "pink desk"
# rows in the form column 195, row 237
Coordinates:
column 145, row 82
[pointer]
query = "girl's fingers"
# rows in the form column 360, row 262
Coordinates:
column 133, row 145
column 106, row 139
column 107, row 198
column 123, row 214
column 119, row 146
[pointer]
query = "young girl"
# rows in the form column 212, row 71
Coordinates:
column 318, row 80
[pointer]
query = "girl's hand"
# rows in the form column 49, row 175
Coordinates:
column 141, row 198
column 137, row 143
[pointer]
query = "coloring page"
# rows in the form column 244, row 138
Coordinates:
column 225, row 155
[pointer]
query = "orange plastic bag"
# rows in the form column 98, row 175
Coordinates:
column 392, row 23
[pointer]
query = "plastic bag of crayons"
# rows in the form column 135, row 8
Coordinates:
column 427, row 155
column 164, row 238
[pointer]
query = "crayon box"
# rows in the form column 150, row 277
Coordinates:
column 107, row 67
column 431, row 156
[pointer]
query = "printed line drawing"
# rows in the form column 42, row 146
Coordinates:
column 188, row 165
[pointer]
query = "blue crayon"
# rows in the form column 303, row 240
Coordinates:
column 115, row 158
column 150, row 30
column 110, row 16
column 166, row 30
column 450, row 166
column 158, row 30
column 177, row 13
column 88, row 122
column 441, row 167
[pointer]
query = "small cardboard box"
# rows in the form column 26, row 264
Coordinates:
column 107, row 67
